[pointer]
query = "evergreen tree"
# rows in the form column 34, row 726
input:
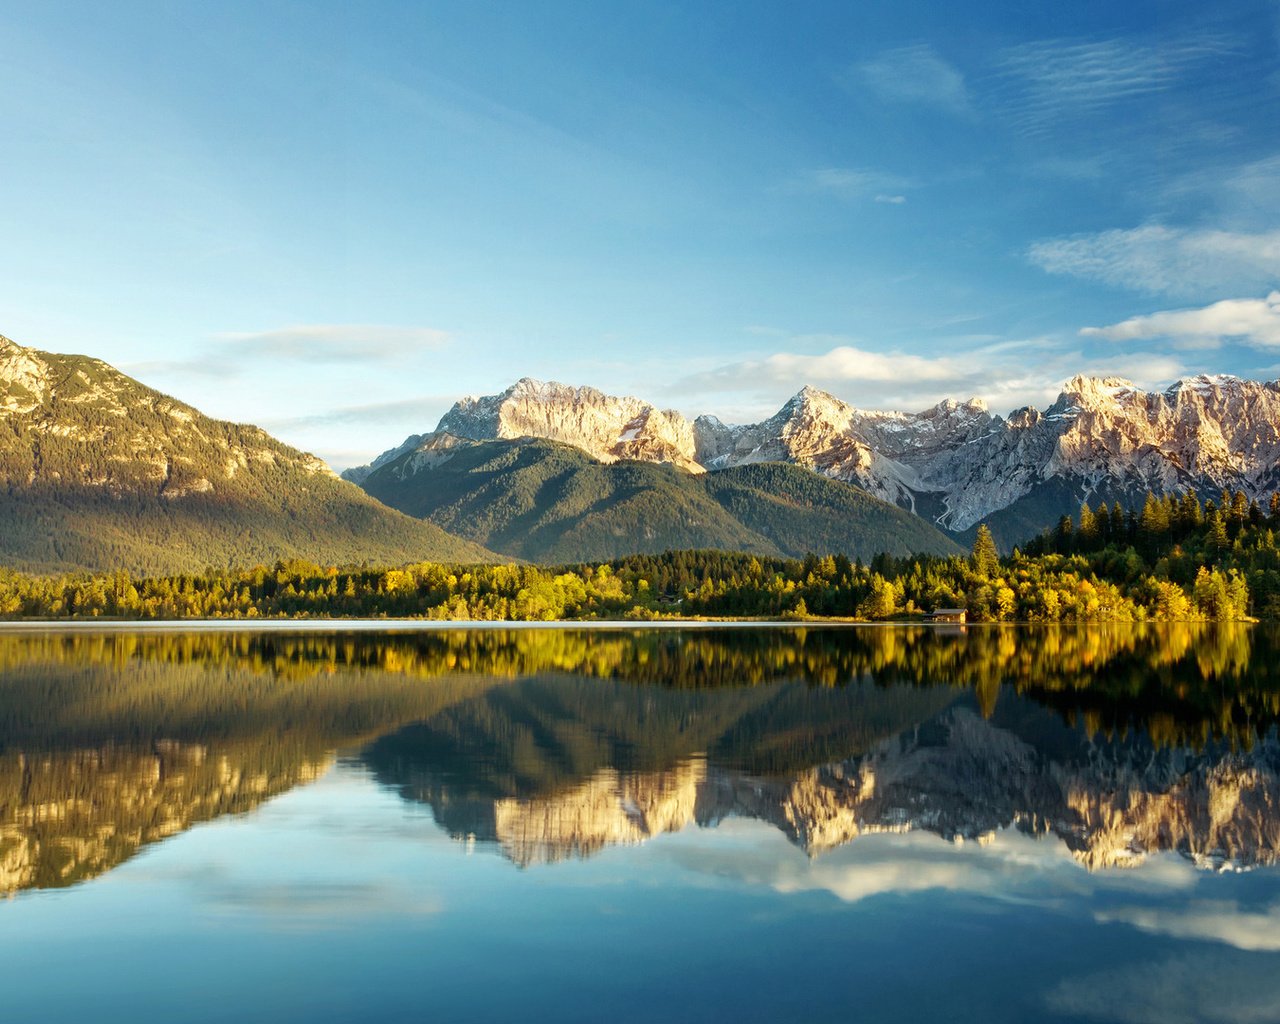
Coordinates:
column 1064, row 535
column 1089, row 534
column 985, row 557
column 1155, row 518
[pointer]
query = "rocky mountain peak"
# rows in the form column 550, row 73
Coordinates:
column 813, row 405
column 1025, row 418
column 607, row 427
column 1088, row 392
column 1102, row 436
column 953, row 411
column 1205, row 384
column 532, row 389
column 949, row 407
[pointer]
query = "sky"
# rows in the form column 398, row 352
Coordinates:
column 334, row 219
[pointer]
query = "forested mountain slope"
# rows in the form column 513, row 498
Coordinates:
column 551, row 502
column 101, row 472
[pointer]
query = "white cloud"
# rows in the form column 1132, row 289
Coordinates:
column 1156, row 258
column 1251, row 321
column 894, row 200
column 915, row 74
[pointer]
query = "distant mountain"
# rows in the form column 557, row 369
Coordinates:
column 956, row 463
column 98, row 471
column 552, row 502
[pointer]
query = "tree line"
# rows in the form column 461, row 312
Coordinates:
column 1174, row 559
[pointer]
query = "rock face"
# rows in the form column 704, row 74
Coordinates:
column 607, row 428
column 99, row 471
column 77, row 401
column 957, row 463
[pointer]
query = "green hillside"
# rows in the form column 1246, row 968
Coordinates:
column 550, row 502
column 801, row 511
column 98, row 471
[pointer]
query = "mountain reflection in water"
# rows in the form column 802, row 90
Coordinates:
column 558, row 743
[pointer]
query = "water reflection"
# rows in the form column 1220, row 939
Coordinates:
column 558, row 743
column 550, row 769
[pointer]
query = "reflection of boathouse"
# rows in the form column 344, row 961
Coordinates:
column 957, row 616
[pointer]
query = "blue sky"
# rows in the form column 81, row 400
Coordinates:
column 334, row 219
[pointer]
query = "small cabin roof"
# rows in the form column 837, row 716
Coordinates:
column 948, row 611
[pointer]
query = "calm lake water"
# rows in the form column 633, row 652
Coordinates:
column 880, row 824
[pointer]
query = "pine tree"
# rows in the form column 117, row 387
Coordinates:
column 1119, row 534
column 985, row 557
column 1237, row 512
column 1088, row 526
column 1064, row 535
column 1155, row 519
column 1189, row 513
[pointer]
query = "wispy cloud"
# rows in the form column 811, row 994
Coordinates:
column 424, row 410
column 1240, row 195
column 914, row 74
column 1090, row 168
column 854, row 183
column 233, row 353
column 1052, row 80
column 1253, row 322
column 336, row 342
column 1256, row 186
column 1192, row 988
column 1156, row 258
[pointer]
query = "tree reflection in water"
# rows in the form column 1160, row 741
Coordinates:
column 555, row 743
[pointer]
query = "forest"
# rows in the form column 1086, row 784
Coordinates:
column 1175, row 558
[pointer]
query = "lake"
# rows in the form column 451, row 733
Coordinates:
column 339, row 823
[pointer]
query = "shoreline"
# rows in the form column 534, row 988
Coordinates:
column 401, row 625
column 339, row 625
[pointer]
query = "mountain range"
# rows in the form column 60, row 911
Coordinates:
column 955, row 464
column 99, row 471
